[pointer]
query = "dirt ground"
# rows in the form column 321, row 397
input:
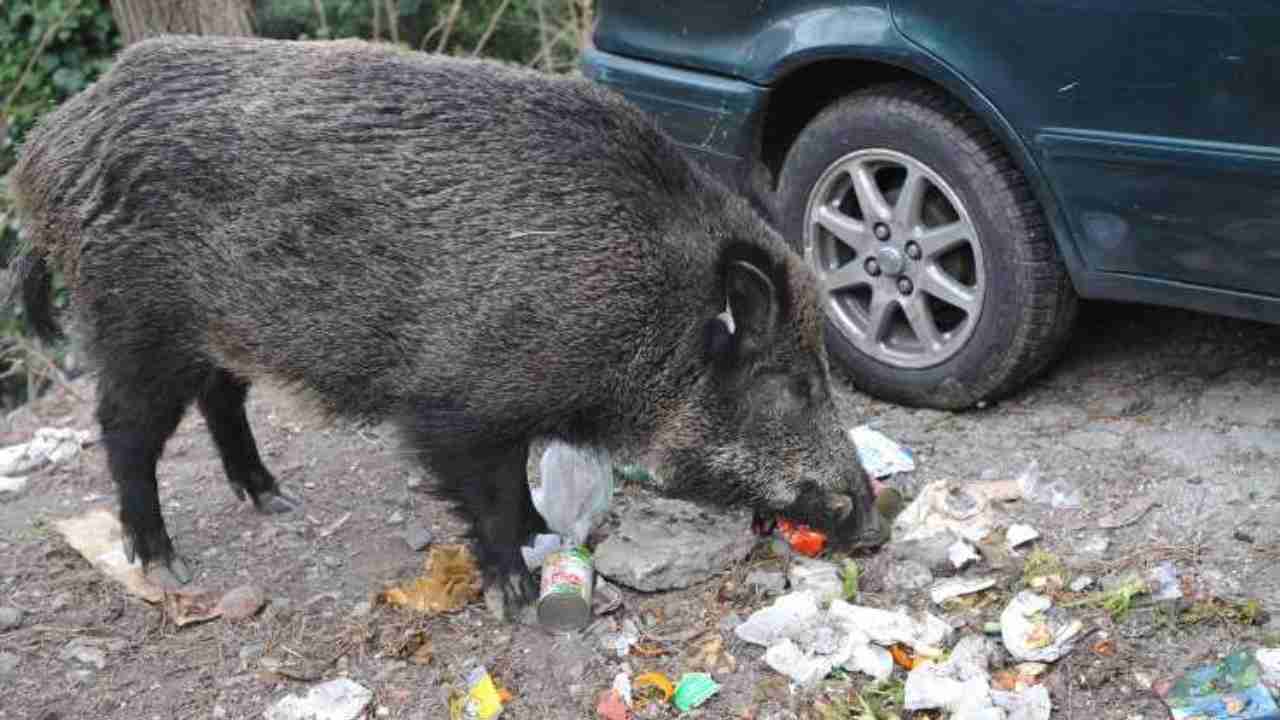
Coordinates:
column 1180, row 408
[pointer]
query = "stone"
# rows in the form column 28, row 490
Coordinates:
column 396, row 518
column 242, row 603
column 251, row 652
column 340, row 699
column 12, row 485
column 417, row 536
column 665, row 544
column 818, row 578
column 8, row 663
column 931, row 550
column 908, row 575
column 1094, row 545
column 85, row 653
column 10, row 618
column 766, row 582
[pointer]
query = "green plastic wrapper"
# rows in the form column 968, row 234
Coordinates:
column 693, row 690
column 1228, row 690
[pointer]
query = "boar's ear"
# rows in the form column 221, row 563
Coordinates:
column 753, row 305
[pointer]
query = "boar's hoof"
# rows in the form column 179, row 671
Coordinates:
column 274, row 502
column 509, row 598
column 170, row 576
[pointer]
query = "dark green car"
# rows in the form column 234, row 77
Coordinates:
column 959, row 172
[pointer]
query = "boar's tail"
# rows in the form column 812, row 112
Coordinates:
column 33, row 282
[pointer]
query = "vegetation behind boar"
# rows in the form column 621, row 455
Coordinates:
column 482, row 254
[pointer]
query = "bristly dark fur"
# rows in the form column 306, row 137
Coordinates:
column 484, row 254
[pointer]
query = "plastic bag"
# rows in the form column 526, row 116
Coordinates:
column 577, row 487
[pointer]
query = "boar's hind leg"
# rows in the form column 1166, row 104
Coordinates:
column 221, row 401
column 138, row 412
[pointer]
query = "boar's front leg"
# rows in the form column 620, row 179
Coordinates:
column 490, row 487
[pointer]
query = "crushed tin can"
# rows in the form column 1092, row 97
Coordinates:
column 564, row 599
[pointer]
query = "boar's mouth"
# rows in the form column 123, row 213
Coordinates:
column 847, row 523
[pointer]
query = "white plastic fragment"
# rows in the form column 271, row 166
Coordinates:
column 543, row 545
column 961, row 553
column 961, row 685
column 340, row 699
column 1269, row 661
column 1061, row 495
column 926, row 634
column 48, row 446
column 1020, row 534
column 768, row 625
column 941, row 505
column 879, row 455
column 786, row 657
column 1082, row 583
column 12, row 485
column 1164, row 578
column 576, row 489
column 1031, row 703
column 622, row 684
column 871, row 660
column 944, row 590
column 1032, row 629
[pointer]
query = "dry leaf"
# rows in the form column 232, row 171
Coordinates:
column 647, row 650
column 192, row 605
column 1105, row 647
column 450, row 581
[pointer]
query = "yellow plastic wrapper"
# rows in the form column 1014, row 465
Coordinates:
column 450, row 581
column 483, row 701
column 655, row 680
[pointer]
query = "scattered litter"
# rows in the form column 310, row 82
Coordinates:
column 48, row 446
column 622, row 686
column 450, row 580
column 926, row 635
column 96, row 536
column 1020, row 534
column 1164, row 582
column 1231, row 689
column 622, row 641
column 802, row 538
column 12, row 485
column 1127, row 515
column 1031, row 703
column 960, row 685
column 543, row 545
column 576, row 490
column 944, row 590
column 1061, row 495
column 644, row 684
column 611, row 706
column 871, row 660
column 961, row 554
column 340, row 699
column 766, row 582
column 880, row 456
column 564, row 601
column 1035, row 630
column 482, row 701
column 941, row 505
column 788, row 659
column 818, row 578
column 693, row 690
column 1082, row 583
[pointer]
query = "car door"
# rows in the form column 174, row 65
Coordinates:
column 1156, row 122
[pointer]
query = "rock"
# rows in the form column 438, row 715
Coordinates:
column 766, row 582
column 664, row 544
column 932, row 550
column 909, row 576
column 12, row 485
column 10, row 618
column 1093, row 545
column 242, row 603
column 818, row 578
column 219, row 712
column 417, row 536
column 396, row 518
column 340, row 699
column 85, row 653
column 8, row 663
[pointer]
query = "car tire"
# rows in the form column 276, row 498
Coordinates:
column 980, row 305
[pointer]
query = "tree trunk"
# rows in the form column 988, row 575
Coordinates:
column 138, row 19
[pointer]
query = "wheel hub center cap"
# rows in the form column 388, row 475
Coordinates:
column 891, row 260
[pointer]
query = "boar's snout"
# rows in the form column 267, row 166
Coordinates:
column 855, row 522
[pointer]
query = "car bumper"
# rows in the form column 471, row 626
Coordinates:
column 713, row 117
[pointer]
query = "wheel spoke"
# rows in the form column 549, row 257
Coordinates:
column 878, row 314
column 850, row 232
column 850, row 275
column 870, row 199
column 918, row 314
column 936, row 282
column 938, row 240
column 910, row 200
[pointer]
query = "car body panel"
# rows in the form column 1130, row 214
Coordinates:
column 1144, row 208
